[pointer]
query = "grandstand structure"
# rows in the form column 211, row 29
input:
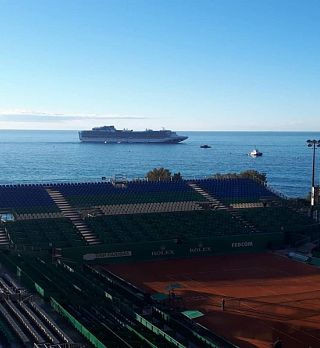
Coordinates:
column 53, row 235
column 24, row 321
column 159, row 218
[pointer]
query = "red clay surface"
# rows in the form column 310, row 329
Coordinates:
column 266, row 296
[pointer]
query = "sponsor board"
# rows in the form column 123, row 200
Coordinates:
column 242, row 244
column 200, row 250
column 108, row 255
column 162, row 252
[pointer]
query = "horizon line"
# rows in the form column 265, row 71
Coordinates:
column 180, row 130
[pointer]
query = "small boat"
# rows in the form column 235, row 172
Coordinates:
column 255, row 153
column 205, row 146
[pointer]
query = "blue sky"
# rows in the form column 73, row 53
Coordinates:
column 179, row 64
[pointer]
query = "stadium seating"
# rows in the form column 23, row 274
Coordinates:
column 140, row 208
column 26, row 199
column 83, row 296
column 49, row 322
column 44, row 233
column 163, row 226
column 12, row 323
column 39, row 216
column 275, row 219
column 240, row 190
column 100, row 194
column 7, row 338
column 21, row 318
column 138, row 211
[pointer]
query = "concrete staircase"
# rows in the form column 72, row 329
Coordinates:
column 71, row 213
column 217, row 205
column 249, row 226
column 4, row 240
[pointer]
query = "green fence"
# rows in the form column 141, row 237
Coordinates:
column 121, row 253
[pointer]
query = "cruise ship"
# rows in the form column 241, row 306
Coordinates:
column 111, row 135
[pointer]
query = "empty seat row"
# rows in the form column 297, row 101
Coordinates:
column 247, row 205
column 236, row 190
column 163, row 226
column 120, row 209
column 26, row 199
column 44, row 233
column 42, row 314
column 276, row 219
column 23, row 320
column 104, row 193
column 39, row 216
column 39, row 324
column 125, row 198
column 12, row 322
column 130, row 187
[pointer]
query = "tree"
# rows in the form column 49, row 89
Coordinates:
column 250, row 174
column 255, row 175
column 159, row 174
column 176, row 177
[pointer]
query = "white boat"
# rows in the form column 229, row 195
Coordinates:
column 255, row 153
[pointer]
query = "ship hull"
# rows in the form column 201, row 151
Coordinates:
column 109, row 140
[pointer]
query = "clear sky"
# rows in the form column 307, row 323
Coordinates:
column 179, row 64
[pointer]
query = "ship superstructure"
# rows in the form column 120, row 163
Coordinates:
column 111, row 135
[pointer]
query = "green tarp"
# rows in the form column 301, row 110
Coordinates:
column 193, row 314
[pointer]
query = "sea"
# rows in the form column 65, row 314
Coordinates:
column 58, row 156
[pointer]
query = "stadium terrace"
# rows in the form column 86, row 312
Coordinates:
column 66, row 240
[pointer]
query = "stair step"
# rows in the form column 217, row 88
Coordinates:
column 69, row 212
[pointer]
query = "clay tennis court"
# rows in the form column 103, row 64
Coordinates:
column 266, row 296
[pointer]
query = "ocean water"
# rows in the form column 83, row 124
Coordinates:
column 47, row 156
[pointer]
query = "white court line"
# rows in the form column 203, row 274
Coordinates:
column 267, row 325
column 244, row 270
column 290, row 300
